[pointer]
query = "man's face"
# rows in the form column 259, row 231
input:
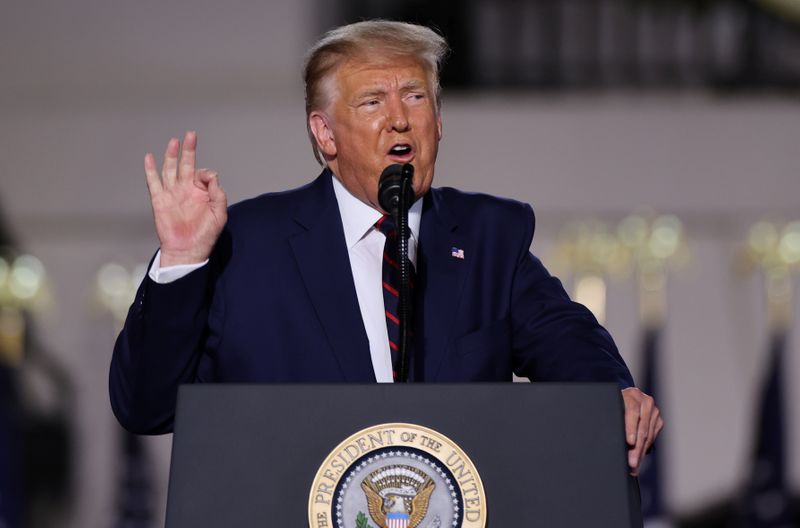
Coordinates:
column 381, row 112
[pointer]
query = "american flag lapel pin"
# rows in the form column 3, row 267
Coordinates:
column 457, row 253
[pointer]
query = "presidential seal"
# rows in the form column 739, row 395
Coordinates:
column 397, row 476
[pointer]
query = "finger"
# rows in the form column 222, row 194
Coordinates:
column 652, row 431
column 151, row 174
column 209, row 180
column 217, row 195
column 169, row 169
column 635, row 454
column 632, row 412
column 186, row 168
column 635, row 457
column 215, row 191
column 642, row 426
column 203, row 178
column 634, row 440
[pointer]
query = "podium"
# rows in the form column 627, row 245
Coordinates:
column 545, row 455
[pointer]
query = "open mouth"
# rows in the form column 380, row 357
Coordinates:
column 401, row 151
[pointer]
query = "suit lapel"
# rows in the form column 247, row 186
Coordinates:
column 443, row 277
column 321, row 255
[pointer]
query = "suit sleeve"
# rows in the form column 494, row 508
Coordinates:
column 159, row 348
column 554, row 338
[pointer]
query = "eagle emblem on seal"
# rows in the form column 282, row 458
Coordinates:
column 398, row 495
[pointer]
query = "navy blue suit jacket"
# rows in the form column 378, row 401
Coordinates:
column 277, row 304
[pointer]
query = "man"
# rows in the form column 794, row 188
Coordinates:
column 288, row 286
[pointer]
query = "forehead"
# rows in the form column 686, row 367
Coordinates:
column 358, row 74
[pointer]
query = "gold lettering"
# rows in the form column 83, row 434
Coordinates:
column 375, row 440
column 351, row 451
column 322, row 490
column 471, row 489
column 459, row 468
column 473, row 502
column 407, row 437
column 430, row 443
column 452, row 459
column 319, row 498
column 322, row 520
column 390, row 435
column 472, row 515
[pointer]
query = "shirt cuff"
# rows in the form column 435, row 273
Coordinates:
column 169, row 274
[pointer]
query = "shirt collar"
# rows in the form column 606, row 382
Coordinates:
column 359, row 218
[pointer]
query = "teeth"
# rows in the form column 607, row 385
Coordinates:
column 400, row 149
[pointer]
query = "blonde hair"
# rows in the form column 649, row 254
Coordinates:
column 384, row 37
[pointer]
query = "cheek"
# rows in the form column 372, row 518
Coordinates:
column 377, row 123
column 431, row 125
column 365, row 134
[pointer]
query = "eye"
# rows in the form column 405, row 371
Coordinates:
column 371, row 102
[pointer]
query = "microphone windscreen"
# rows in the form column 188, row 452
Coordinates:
column 389, row 187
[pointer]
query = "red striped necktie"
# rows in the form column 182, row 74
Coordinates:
column 391, row 290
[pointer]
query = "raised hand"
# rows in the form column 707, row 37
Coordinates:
column 189, row 206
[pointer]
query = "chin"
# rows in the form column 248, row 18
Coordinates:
column 423, row 189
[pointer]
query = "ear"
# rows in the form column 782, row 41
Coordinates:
column 439, row 126
column 319, row 125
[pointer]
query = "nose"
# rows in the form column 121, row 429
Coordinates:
column 397, row 116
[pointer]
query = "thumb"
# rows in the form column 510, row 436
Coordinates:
column 203, row 177
column 216, row 194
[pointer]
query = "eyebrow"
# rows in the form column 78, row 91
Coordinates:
column 371, row 92
column 412, row 84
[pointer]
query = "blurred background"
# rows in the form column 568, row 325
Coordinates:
column 658, row 142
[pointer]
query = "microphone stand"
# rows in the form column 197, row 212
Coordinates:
column 404, row 306
column 395, row 195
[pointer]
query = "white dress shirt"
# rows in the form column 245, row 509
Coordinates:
column 365, row 249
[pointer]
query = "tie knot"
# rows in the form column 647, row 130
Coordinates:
column 386, row 225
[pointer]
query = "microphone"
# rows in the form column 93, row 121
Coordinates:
column 395, row 196
column 395, row 181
